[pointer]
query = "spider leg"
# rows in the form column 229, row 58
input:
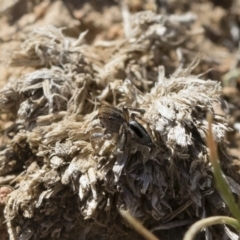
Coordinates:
column 104, row 135
column 123, row 134
column 126, row 114
column 139, row 110
column 134, row 112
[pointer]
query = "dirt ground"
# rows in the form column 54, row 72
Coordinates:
column 209, row 27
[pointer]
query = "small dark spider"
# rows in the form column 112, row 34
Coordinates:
column 119, row 121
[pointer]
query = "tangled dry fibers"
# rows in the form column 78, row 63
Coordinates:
column 71, row 185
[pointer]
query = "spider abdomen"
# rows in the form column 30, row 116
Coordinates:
column 141, row 136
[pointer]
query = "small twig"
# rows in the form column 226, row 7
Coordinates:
column 172, row 225
column 178, row 211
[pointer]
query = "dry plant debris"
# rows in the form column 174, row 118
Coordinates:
column 70, row 177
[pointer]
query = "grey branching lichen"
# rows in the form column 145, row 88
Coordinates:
column 72, row 183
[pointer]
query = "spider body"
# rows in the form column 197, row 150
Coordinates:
column 118, row 121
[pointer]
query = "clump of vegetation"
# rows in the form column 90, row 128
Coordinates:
column 92, row 137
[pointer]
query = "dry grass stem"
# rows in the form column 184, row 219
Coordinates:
column 138, row 226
